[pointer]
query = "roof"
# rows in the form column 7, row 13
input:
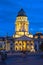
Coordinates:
column 21, row 13
column 23, row 38
column 6, row 38
column 38, row 34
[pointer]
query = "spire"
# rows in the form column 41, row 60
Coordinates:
column 21, row 13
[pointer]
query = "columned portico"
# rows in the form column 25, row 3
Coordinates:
column 24, row 43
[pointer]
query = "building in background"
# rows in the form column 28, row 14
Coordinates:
column 2, row 43
column 38, row 40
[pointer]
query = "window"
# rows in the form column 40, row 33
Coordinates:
column 16, row 44
column 28, row 42
column 31, row 44
column 19, row 43
column 20, row 48
column 23, row 43
column 16, row 48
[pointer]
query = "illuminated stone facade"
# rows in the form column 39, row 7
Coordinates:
column 24, row 43
column 23, row 40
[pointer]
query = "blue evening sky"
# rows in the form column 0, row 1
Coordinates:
column 9, row 10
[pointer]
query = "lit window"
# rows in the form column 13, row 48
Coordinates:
column 16, row 48
column 19, row 43
column 23, row 43
column 20, row 48
column 31, row 44
column 16, row 44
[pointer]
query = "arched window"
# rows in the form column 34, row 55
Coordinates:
column 16, row 48
column 20, row 48
column 19, row 43
column 31, row 44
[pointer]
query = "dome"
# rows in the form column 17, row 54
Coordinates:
column 21, row 13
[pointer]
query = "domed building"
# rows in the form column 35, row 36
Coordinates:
column 23, row 41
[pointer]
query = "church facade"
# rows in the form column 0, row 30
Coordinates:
column 23, row 40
